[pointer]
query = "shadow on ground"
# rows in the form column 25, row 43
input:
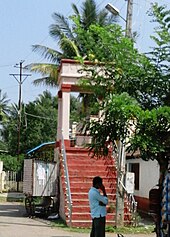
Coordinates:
column 12, row 210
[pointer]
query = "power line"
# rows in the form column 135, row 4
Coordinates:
column 40, row 117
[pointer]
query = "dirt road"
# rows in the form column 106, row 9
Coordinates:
column 14, row 223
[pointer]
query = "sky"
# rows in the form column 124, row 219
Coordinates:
column 25, row 23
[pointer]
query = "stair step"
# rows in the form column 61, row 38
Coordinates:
column 81, row 216
column 83, row 209
column 81, row 223
column 82, row 169
column 84, row 196
column 80, row 202
column 79, row 189
column 82, row 179
column 84, row 173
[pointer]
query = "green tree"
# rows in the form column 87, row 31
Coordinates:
column 4, row 107
column 131, row 89
column 4, row 111
column 38, row 124
column 119, row 73
column 11, row 163
column 160, row 53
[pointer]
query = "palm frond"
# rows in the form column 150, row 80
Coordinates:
column 46, row 81
column 69, row 45
column 49, row 73
column 60, row 27
column 42, row 68
column 4, row 108
column 103, row 18
column 48, row 53
column 89, row 12
column 75, row 9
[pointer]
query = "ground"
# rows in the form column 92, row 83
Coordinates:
column 15, row 223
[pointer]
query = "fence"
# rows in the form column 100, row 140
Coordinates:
column 10, row 181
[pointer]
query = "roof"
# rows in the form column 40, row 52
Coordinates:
column 41, row 147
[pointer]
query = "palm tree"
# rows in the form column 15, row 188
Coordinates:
column 4, row 108
column 4, row 111
column 68, row 41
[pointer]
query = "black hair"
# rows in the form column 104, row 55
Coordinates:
column 97, row 180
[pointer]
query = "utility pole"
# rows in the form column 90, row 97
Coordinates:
column 120, row 195
column 129, row 18
column 121, row 155
column 20, row 82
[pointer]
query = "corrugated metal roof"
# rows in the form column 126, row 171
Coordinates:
column 42, row 146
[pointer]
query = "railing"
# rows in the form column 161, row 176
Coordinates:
column 67, row 182
column 133, row 208
column 121, row 157
column 132, row 204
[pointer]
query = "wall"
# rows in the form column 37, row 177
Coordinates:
column 148, row 178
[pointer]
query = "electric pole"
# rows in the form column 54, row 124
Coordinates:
column 121, row 146
column 20, row 82
column 129, row 18
column 121, row 154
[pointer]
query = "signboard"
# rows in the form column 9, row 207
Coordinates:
column 130, row 182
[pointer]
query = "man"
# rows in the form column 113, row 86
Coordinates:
column 98, row 204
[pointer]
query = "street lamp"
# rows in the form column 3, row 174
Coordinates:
column 112, row 9
column 128, row 19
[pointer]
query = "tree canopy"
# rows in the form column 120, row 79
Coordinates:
column 38, row 124
column 133, row 89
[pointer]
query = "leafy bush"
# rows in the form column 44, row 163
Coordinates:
column 11, row 162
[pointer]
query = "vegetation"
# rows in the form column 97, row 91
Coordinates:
column 133, row 89
column 38, row 125
column 70, row 44
column 11, row 162
column 4, row 107
column 131, row 230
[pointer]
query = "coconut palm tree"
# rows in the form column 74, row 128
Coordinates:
column 4, row 108
column 69, row 45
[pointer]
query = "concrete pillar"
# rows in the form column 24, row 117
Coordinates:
column 64, row 114
column 59, row 124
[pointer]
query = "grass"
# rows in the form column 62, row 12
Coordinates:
column 124, row 230
column 11, row 199
column 131, row 230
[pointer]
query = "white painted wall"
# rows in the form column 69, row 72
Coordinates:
column 148, row 176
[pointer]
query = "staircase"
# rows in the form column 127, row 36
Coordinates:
column 81, row 170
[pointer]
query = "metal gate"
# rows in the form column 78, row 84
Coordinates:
column 10, row 181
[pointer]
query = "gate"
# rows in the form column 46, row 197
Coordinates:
column 10, row 181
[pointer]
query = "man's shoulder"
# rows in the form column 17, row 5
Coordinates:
column 92, row 190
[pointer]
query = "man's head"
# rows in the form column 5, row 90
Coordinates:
column 97, row 182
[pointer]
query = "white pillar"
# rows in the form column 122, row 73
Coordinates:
column 65, row 114
column 59, row 124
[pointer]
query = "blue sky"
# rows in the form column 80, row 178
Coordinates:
column 25, row 23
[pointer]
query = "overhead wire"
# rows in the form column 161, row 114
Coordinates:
column 37, row 116
column 7, row 65
column 29, row 54
column 98, row 5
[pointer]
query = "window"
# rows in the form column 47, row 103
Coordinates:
column 134, row 167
